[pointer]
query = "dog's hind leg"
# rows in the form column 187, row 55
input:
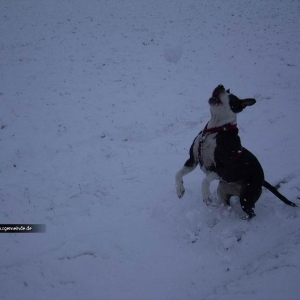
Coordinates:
column 248, row 197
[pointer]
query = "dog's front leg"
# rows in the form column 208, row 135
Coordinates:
column 179, row 179
column 188, row 167
column 206, row 193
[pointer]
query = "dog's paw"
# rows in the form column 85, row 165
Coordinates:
column 207, row 198
column 180, row 190
column 248, row 217
column 207, row 201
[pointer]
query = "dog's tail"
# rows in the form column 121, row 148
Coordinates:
column 273, row 190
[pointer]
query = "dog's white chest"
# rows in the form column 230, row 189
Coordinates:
column 207, row 151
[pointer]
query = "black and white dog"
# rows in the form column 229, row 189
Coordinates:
column 218, row 151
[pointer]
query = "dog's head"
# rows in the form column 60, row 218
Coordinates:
column 222, row 99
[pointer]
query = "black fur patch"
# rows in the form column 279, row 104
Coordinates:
column 235, row 103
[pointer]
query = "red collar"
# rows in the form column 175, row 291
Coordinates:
column 218, row 129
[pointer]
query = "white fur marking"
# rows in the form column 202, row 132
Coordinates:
column 208, row 151
column 196, row 146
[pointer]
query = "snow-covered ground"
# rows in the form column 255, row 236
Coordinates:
column 99, row 103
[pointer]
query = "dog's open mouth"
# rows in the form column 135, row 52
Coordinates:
column 214, row 101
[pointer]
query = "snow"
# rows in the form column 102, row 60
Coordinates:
column 99, row 103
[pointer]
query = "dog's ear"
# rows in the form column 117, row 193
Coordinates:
column 228, row 91
column 247, row 102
